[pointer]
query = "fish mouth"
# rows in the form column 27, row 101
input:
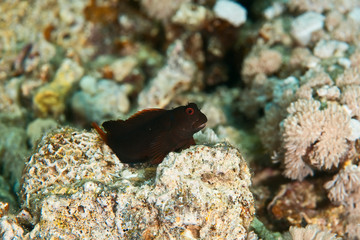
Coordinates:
column 198, row 128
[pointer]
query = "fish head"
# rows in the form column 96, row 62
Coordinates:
column 188, row 119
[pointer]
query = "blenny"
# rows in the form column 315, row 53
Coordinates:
column 150, row 134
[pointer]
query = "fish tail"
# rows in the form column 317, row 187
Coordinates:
column 100, row 131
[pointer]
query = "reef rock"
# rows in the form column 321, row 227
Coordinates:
column 100, row 99
column 176, row 77
column 76, row 188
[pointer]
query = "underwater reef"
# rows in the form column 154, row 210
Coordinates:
column 279, row 83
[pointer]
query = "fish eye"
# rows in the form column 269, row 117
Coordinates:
column 189, row 111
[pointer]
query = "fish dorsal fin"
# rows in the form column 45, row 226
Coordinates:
column 149, row 114
column 136, row 120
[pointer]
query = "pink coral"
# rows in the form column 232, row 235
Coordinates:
column 351, row 97
column 353, row 219
column 349, row 77
column 311, row 232
column 343, row 186
column 314, row 137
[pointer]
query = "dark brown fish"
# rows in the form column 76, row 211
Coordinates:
column 150, row 134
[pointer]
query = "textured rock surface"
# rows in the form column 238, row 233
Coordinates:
column 75, row 188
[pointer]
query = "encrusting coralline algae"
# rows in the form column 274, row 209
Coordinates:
column 74, row 187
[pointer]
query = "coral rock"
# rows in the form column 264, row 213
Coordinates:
column 76, row 188
column 123, row 67
column 9, row 229
column 175, row 77
column 100, row 99
column 266, row 61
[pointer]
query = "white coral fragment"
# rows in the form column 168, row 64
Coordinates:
column 304, row 25
column 355, row 130
column 330, row 48
column 230, row 11
column 328, row 92
column 191, row 15
column 274, row 10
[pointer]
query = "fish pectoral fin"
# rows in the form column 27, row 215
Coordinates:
column 157, row 159
column 159, row 148
column 185, row 144
column 191, row 142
